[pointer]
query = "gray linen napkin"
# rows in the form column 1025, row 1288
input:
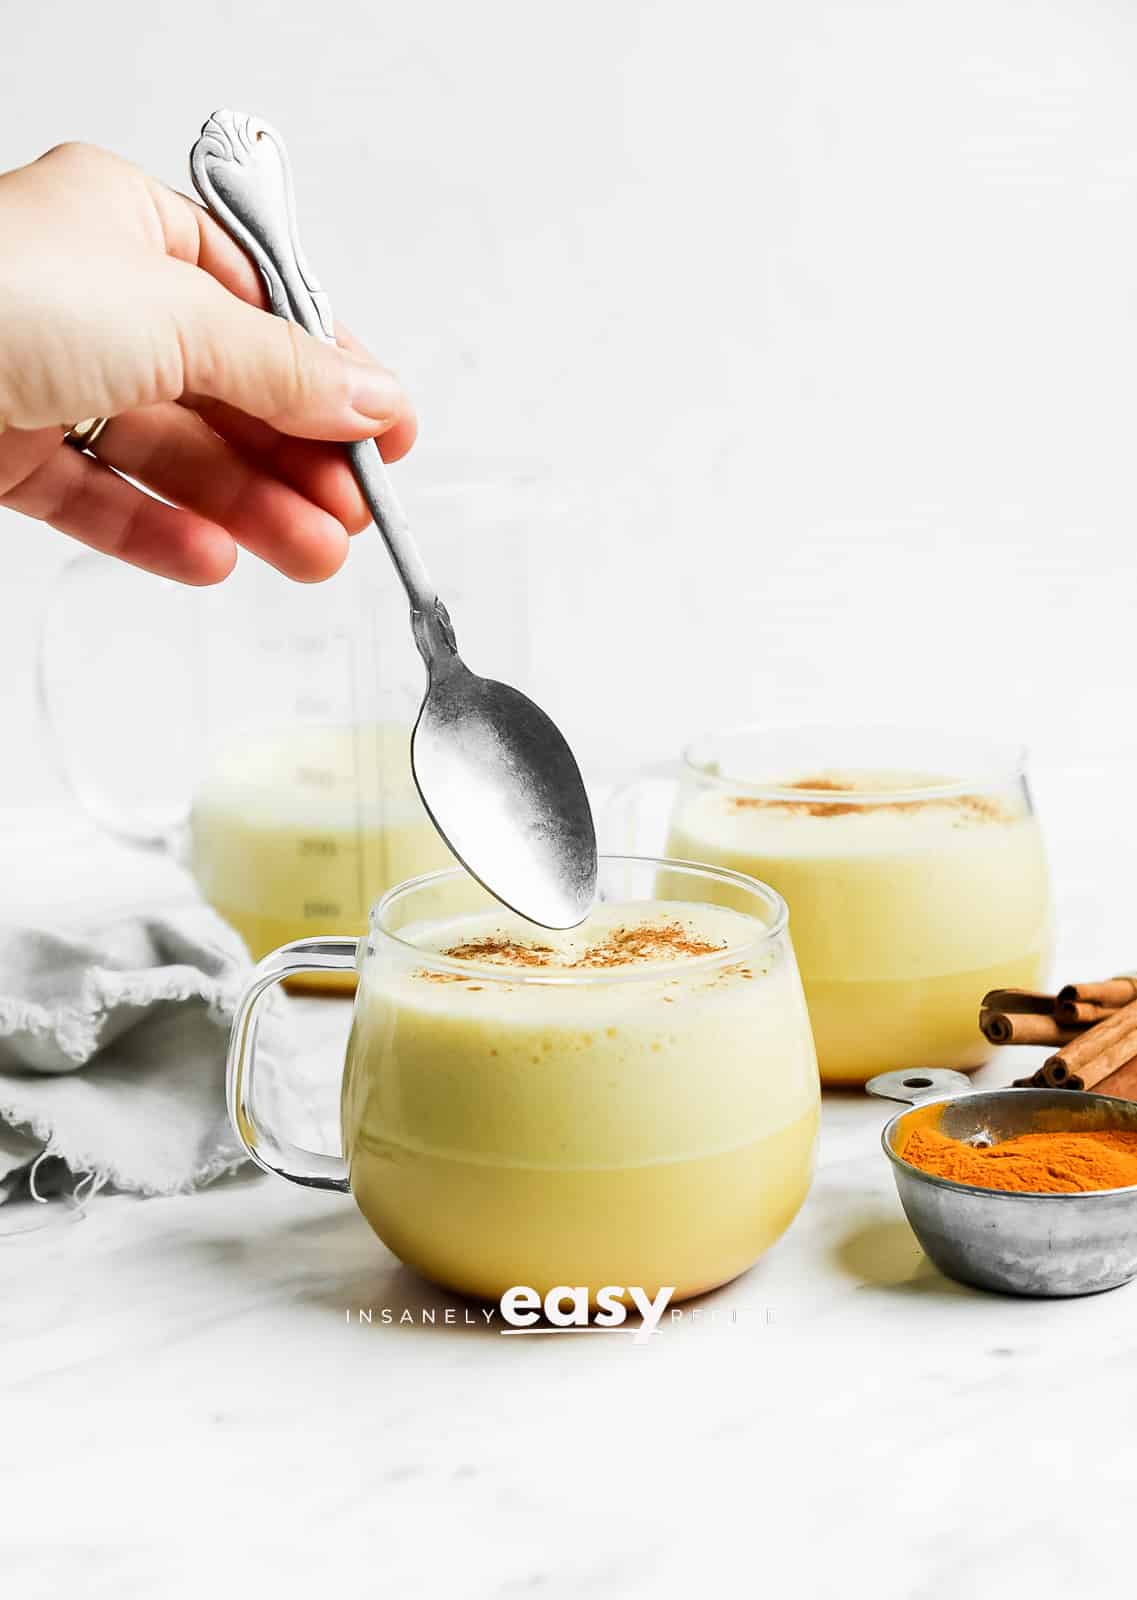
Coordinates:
column 112, row 1050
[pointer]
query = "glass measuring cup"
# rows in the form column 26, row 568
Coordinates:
column 261, row 730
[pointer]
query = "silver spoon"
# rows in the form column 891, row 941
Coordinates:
column 495, row 774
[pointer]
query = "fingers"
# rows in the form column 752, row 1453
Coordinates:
column 172, row 451
column 22, row 450
column 400, row 435
column 316, row 470
column 397, row 440
column 192, row 235
column 273, row 370
column 85, row 499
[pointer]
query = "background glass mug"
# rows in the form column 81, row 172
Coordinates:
column 912, row 864
column 261, row 729
column 510, row 1122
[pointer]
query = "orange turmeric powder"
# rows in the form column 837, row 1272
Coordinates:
column 1031, row 1163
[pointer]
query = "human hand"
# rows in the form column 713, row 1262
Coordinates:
column 124, row 299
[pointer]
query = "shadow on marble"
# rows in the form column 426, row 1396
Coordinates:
column 329, row 1261
column 291, row 1249
column 335, row 1263
column 886, row 1255
column 386, row 1296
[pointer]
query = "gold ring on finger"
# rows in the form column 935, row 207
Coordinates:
column 83, row 435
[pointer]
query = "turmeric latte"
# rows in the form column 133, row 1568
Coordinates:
column 1031, row 1163
column 296, row 835
column 631, row 1102
column 904, row 910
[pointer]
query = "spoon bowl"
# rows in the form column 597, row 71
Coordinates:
column 504, row 790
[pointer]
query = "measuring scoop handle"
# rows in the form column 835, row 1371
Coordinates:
column 915, row 1084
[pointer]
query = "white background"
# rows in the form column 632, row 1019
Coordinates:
column 819, row 322
column 818, row 318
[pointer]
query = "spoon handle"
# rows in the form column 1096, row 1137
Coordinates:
column 240, row 169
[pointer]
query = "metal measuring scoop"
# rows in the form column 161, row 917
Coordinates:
column 500, row 783
column 1044, row 1245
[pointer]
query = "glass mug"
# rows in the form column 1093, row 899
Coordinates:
column 912, row 864
column 261, row 729
column 519, row 1119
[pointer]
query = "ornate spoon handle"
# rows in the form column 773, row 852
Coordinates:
column 240, row 169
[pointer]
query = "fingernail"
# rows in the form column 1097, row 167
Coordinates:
column 375, row 394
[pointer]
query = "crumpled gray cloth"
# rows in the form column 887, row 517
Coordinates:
column 112, row 1050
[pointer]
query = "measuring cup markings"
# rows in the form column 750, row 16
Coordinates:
column 301, row 644
column 360, row 872
column 318, row 777
column 316, row 706
column 322, row 908
column 321, row 846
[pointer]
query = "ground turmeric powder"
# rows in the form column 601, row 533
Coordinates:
column 1031, row 1163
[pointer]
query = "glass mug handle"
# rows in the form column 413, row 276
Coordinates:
column 622, row 822
column 271, row 1152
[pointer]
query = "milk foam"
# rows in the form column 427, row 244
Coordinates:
column 633, row 934
column 836, row 815
column 583, row 1066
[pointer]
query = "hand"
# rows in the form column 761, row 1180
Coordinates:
column 121, row 298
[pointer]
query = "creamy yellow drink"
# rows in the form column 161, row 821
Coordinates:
column 904, row 911
column 632, row 1103
column 298, row 835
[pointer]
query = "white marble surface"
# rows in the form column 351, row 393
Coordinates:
column 191, row 1403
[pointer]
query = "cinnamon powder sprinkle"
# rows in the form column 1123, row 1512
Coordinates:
column 506, row 952
column 974, row 807
column 619, row 948
column 649, row 943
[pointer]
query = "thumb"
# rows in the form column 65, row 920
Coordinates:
column 272, row 369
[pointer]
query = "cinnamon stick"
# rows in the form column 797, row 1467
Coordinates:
column 1022, row 1002
column 1072, row 1013
column 1097, row 1052
column 1122, row 1084
column 1113, row 992
column 1002, row 1027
